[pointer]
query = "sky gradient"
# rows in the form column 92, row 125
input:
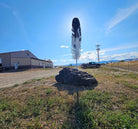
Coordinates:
column 44, row 28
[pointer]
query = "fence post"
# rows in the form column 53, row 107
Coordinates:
column 128, row 66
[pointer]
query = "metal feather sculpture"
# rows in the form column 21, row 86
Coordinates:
column 76, row 39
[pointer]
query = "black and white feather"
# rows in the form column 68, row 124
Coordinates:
column 76, row 38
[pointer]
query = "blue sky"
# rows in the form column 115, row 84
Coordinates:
column 44, row 28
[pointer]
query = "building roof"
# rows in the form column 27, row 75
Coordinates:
column 24, row 54
column 13, row 52
column 42, row 60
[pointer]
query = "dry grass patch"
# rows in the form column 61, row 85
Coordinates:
column 44, row 103
column 37, row 104
column 129, row 65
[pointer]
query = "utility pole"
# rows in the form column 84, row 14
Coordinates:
column 98, row 49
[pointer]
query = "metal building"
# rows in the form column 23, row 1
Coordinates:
column 23, row 59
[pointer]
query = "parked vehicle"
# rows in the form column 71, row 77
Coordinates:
column 0, row 64
column 90, row 65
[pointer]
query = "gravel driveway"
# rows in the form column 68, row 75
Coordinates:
column 10, row 78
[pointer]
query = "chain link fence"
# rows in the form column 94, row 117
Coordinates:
column 128, row 65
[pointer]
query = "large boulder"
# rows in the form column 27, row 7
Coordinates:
column 75, row 77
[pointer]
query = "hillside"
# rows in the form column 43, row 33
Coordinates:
column 44, row 103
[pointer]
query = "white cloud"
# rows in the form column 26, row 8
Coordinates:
column 63, row 60
column 67, row 60
column 65, row 55
column 89, row 55
column 63, row 46
column 54, row 61
column 102, row 52
column 121, row 15
column 122, row 47
column 120, row 56
column 92, row 55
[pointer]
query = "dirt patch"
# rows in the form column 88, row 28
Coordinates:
column 12, row 78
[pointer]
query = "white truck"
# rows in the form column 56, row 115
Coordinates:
column 0, row 64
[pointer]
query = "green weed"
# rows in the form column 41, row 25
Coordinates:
column 15, row 85
column 4, row 105
column 44, row 106
column 132, row 105
column 117, row 76
column 26, row 82
column 130, row 85
column 96, row 111
column 133, row 75
column 48, row 91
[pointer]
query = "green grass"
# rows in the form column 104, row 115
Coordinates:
column 128, row 75
column 127, row 84
column 26, row 82
column 112, row 104
column 15, row 85
column 133, row 76
column 109, row 69
column 33, row 80
column 95, row 110
column 130, row 85
column 48, row 91
column 32, row 108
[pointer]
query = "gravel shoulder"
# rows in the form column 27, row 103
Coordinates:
column 11, row 78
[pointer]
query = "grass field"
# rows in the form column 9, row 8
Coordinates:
column 44, row 103
column 129, row 65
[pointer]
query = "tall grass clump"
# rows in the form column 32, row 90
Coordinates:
column 96, row 111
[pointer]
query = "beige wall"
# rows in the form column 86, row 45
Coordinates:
column 35, row 62
column 23, row 58
column 22, row 54
column 6, row 59
column 21, row 61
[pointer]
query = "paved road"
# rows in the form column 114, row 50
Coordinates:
column 10, row 78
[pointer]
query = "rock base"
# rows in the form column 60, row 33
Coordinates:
column 75, row 77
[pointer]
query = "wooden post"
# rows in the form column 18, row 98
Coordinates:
column 128, row 65
column 76, row 64
column 77, row 98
